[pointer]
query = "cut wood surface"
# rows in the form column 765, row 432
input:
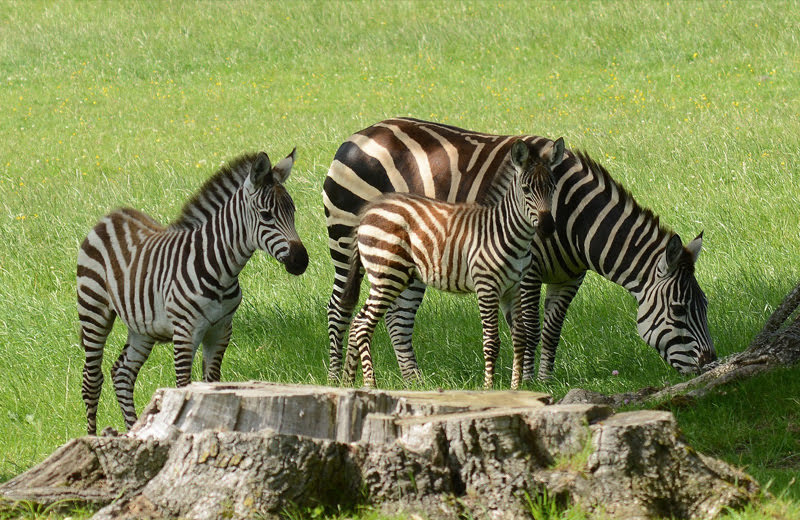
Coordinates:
column 259, row 449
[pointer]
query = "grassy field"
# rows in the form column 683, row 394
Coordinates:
column 692, row 106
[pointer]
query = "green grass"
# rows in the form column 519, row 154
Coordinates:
column 692, row 106
column 756, row 426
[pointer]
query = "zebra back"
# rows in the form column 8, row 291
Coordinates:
column 407, row 155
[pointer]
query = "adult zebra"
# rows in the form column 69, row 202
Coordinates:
column 599, row 226
column 180, row 283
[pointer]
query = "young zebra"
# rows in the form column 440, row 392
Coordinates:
column 455, row 248
column 180, row 283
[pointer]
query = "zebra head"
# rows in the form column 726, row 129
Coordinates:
column 272, row 212
column 672, row 311
column 535, row 177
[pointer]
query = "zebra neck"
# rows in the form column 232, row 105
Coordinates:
column 628, row 255
column 646, row 276
column 224, row 244
column 511, row 225
column 601, row 227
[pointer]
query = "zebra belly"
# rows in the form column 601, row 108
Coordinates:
column 446, row 265
column 145, row 316
column 460, row 277
column 158, row 320
column 162, row 328
column 439, row 277
column 208, row 312
column 447, row 285
column 159, row 327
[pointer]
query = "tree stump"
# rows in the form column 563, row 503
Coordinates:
column 258, row 449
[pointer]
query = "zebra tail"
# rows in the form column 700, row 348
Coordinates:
column 352, row 285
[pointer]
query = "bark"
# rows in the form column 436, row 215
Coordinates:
column 777, row 345
column 257, row 450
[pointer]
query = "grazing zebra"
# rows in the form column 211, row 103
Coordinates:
column 456, row 248
column 598, row 226
column 180, row 283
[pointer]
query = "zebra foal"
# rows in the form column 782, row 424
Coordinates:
column 455, row 248
column 180, row 283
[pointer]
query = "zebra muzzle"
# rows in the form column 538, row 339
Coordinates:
column 547, row 225
column 296, row 260
column 708, row 356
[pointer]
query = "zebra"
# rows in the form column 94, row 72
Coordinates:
column 453, row 247
column 180, row 283
column 598, row 226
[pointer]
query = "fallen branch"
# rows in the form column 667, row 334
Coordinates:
column 777, row 345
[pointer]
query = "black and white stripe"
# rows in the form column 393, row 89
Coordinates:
column 180, row 283
column 598, row 226
column 455, row 248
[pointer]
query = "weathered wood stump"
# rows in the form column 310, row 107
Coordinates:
column 258, row 449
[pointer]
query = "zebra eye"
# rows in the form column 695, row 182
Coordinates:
column 526, row 189
column 265, row 214
column 677, row 310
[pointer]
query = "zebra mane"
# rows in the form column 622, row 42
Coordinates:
column 214, row 193
column 625, row 196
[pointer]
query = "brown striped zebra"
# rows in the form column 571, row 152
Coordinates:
column 455, row 248
column 598, row 226
column 180, row 283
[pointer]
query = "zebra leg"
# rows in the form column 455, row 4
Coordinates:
column 339, row 317
column 125, row 371
column 215, row 342
column 185, row 346
column 361, row 331
column 528, row 317
column 400, row 325
column 96, row 321
column 518, row 337
column 361, row 338
column 350, row 363
column 488, row 301
column 556, row 302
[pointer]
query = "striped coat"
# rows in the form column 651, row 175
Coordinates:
column 180, row 283
column 456, row 248
column 599, row 226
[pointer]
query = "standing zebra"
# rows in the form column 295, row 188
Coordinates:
column 180, row 283
column 456, row 248
column 598, row 226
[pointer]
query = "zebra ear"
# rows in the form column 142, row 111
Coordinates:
column 519, row 153
column 672, row 254
column 282, row 170
column 557, row 153
column 695, row 246
column 259, row 170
